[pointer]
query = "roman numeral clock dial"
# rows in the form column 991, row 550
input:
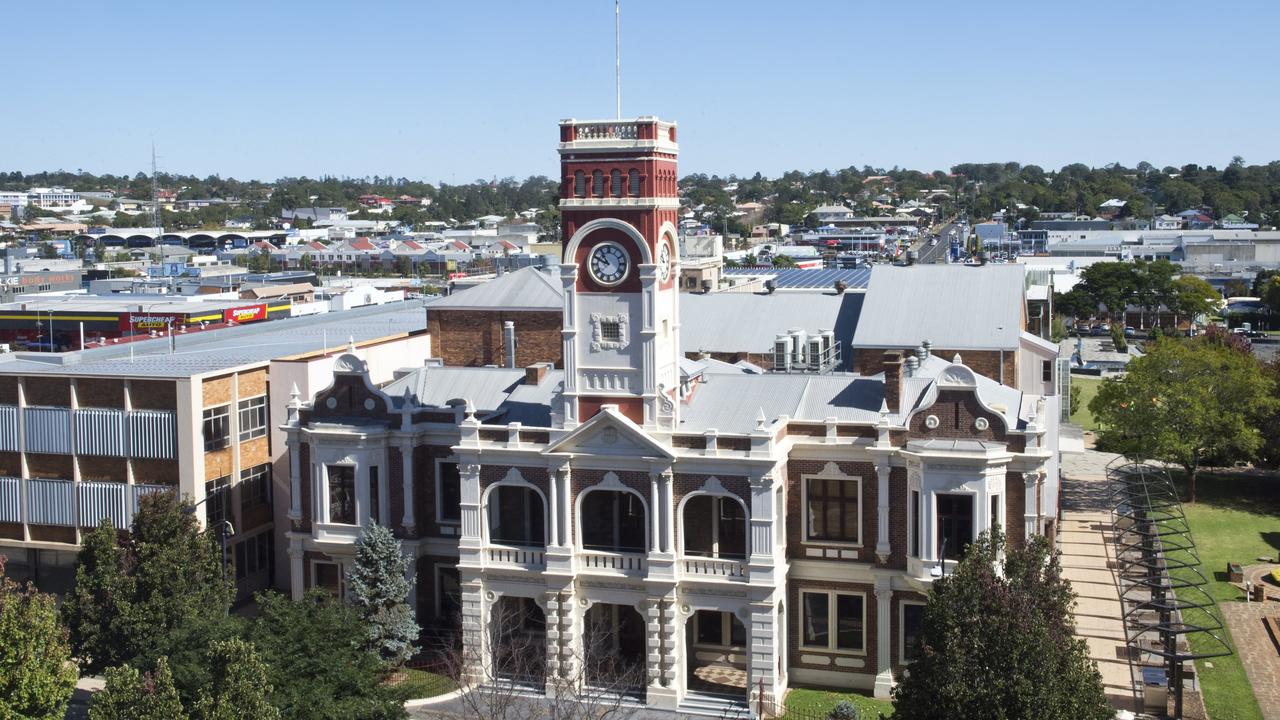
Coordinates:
column 609, row 263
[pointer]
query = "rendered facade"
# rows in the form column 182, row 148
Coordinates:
column 723, row 532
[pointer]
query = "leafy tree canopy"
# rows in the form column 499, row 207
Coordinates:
column 37, row 676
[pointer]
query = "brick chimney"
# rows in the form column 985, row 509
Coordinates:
column 535, row 373
column 892, row 363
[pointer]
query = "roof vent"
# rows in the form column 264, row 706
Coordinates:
column 910, row 366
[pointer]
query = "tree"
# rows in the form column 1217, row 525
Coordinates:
column 404, row 266
column 1193, row 296
column 239, row 687
column 1271, row 294
column 784, row 261
column 1236, row 288
column 378, row 589
column 998, row 642
column 317, row 664
column 1183, row 403
column 37, row 676
column 1268, row 421
column 131, row 695
column 49, row 252
column 99, row 598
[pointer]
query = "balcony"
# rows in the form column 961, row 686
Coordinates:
column 607, row 131
column 600, row 562
column 67, row 504
column 104, row 432
column 714, row 568
column 519, row 558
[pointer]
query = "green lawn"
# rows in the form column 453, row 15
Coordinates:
column 806, row 703
column 1236, row 519
column 1088, row 388
column 422, row 684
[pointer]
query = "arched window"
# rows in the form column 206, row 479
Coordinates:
column 615, row 183
column 579, row 183
column 634, row 182
column 714, row 526
column 613, row 521
column 516, row 516
column 597, row 184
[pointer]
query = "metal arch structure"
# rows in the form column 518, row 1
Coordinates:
column 1158, row 573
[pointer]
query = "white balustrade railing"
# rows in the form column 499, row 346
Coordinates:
column 607, row 131
column 507, row 555
column 715, row 567
column 629, row 563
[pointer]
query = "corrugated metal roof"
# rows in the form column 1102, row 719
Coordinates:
column 731, row 403
column 525, row 289
column 486, row 388
column 953, row 306
column 213, row 350
column 742, row 322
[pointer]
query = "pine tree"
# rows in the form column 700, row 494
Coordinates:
column 379, row 589
column 131, row 695
column 100, row 596
column 239, row 687
column 37, row 676
column 998, row 642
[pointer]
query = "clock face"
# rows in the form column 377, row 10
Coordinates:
column 664, row 262
column 609, row 263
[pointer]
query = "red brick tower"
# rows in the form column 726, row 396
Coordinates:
column 619, row 205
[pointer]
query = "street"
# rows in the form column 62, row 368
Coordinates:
column 930, row 253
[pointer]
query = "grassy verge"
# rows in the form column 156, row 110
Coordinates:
column 1236, row 519
column 1088, row 389
column 422, row 684
column 807, row 703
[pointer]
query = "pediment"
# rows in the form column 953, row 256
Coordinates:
column 610, row 432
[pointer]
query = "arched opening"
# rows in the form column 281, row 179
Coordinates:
column 716, row 648
column 139, row 241
column 516, row 516
column 613, row 521
column 234, row 240
column 201, row 240
column 714, row 526
column 615, row 183
column 597, row 183
column 518, row 641
column 111, row 240
column 614, row 649
column 579, row 183
column 633, row 184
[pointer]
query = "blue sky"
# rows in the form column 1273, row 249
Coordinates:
column 454, row 91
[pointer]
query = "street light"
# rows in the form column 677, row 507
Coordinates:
column 225, row 530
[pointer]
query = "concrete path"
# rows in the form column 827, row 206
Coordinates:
column 1087, row 560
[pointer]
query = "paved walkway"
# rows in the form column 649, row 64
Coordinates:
column 1087, row 553
column 1256, row 650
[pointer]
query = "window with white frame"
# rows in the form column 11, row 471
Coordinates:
column 910, row 625
column 253, row 418
column 714, row 526
column 448, row 594
column 448, row 492
column 342, row 494
column 375, row 496
column 716, row 628
column 833, row 509
column 217, row 427
column 833, row 621
column 255, row 486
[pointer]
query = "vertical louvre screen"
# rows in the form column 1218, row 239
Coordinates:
column 1064, row 389
column 48, row 430
column 49, row 502
column 100, row 432
column 152, row 434
column 100, row 500
column 141, row 491
column 8, row 428
column 10, row 500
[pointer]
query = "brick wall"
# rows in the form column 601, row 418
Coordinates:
column 103, row 468
column 10, row 464
column 155, row 472
column 153, row 394
column 898, row 525
column 8, row 390
column 253, row 383
column 216, row 391
column 55, row 391
column 956, row 411
column 474, row 337
column 49, row 466
column 424, row 479
column 304, row 486
column 796, row 546
column 869, row 361
column 100, row 392
column 1015, row 490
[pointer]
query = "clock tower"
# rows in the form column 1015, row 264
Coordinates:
column 618, row 208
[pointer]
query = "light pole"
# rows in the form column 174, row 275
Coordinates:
column 225, row 530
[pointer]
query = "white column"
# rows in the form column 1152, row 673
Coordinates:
column 553, row 511
column 884, row 639
column 475, row 636
column 762, row 668
column 296, row 581
column 662, row 651
column 295, row 475
column 882, row 510
column 1031, row 515
column 564, row 670
column 657, row 512
column 406, row 465
column 566, row 529
column 472, row 530
column 668, row 510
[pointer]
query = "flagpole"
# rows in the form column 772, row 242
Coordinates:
column 617, row 54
